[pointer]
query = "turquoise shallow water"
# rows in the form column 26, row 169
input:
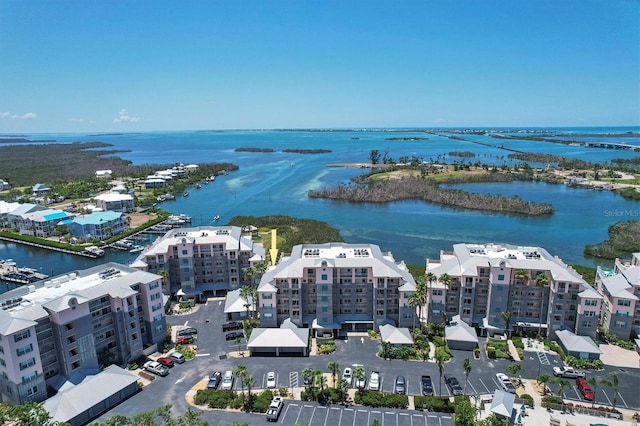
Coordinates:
column 267, row 183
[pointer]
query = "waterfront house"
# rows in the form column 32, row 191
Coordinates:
column 103, row 174
column 40, row 189
column 202, row 261
column 5, row 209
column 333, row 288
column 153, row 182
column 42, row 223
column 114, row 201
column 98, row 225
column 52, row 330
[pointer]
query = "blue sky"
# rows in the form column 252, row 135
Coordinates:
column 85, row 66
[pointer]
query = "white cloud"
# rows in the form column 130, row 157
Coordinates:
column 124, row 117
column 25, row 116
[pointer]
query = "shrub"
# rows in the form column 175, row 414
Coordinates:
column 528, row 398
column 444, row 352
column 476, row 352
column 370, row 398
column 283, row 392
column 556, row 348
column 261, row 401
column 438, row 341
column 584, row 364
column 327, row 347
column 500, row 354
column 217, row 398
column 520, row 353
column 491, row 352
column 552, row 399
column 517, row 342
column 440, row 404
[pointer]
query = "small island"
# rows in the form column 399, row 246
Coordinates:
column 251, row 149
column 307, row 151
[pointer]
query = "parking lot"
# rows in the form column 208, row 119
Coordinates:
column 214, row 355
column 316, row 415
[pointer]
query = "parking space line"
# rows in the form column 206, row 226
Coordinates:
column 577, row 393
column 475, row 392
column 485, row 386
column 623, row 401
column 326, row 417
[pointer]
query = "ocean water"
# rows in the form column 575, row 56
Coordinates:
column 277, row 183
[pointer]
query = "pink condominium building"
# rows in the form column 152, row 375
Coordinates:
column 75, row 323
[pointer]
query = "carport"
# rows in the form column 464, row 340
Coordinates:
column 279, row 342
column 460, row 335
column 578, row 346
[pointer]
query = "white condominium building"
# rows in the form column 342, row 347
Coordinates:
column 620, row 287
column 538, row 290
column 336, row 287
column 207, row 260
column 73, row 323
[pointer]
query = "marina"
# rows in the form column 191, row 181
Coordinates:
column 10, row 272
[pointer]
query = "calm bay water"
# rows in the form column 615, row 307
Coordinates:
column 277, row 183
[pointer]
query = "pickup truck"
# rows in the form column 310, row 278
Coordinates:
column 274, row 409
column 427, row 385
column 568, row 373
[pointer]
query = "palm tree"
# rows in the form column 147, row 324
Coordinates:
column 249, row 273
column 445, row 279
column 414, row 300
column 238, row 341
column 421, row 295
column 466, row 365
column 386, row 349
column 307, row 373
column 440, row 362
column 613, row 383
column 247, row 293
column 249, row 382
column 241, row 373
column 506, row 316
column 321, row 380
column 562, row 383
column 522, row 275
column 594, row 383
column 334, row 369
column 358, row 374
column 543, row 379
column 514, row 369
column 542, row 280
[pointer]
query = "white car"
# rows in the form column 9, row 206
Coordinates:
column 155, row 368
column 271, row 380
column 227, row 380
column 374, row 381
column 347, row 375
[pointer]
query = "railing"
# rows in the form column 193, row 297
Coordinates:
column 580, row 409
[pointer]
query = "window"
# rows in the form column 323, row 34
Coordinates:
column 28, row 363
column 24, row 334
column 589, row 313
column 24, row 349
column 154, row 285
column 324, row 277
column 267, row 315
column 185, row 252
column 501, row 277
column 267, row 296
column 156, row 307
column 623, row 302
column 591, row 302
column 2, row 362
column 586, row 323
column 621, row 324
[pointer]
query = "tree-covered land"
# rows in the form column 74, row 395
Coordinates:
column 291, row 230
column 624, row 239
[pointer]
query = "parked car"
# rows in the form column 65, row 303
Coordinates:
column 234, row 335
column 505, row 383
column 274, row 409
column 185, row 340
column 374, row 381
column 177, row 357
column 271, row 380
column 232, row 325
column 227, row 380
column 427, row 385
column 214, row 380
column 155, row 368
column 453, row 385
column 189, row 331
column 347, row 375
column 584, row 388
column 568, row 372
column 166, row 361
column 400, row 386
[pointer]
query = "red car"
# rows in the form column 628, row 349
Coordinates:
column 167, row 362
column 184, row 340
column 584, row 389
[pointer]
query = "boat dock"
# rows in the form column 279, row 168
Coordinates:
column 11, row 273
column 83, row 253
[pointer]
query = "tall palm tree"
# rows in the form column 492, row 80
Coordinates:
column 421, row 295
column 614, row 384
column 334, row 369
column 249, row 272
column 445, row 279
column 506, row 317
column 308, row 373
column 594, row 383
column 414, row 301
column 241, row 373
column 386, row 349
column 440, row 362
column 249, row 382
column 358, row 374
column 321, row 380
column 514, row 369
column 466, row 365
column 562, row 383
column 543, row 379
column 247, row 293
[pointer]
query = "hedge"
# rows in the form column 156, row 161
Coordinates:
column 371, row 398
column 441, row 404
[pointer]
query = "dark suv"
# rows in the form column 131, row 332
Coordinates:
column 214, row 380
column 453, row 385
column 234, row 335
column 427, row 385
